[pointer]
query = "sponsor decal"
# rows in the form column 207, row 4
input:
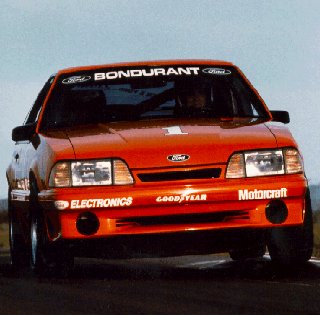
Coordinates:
column 174, row 130
column 61, row 204
column 76, row 79
column 151, row 72
column 19, row 198
column 245, row 194
column 181, row 198
column 101, row 203
column 216, row 71
column 178, row 157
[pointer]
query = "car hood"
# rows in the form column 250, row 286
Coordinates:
column 149, row 144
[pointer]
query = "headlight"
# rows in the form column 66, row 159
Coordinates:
column 264, row 163
column 90, row 173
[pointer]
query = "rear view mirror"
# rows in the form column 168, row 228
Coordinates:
column 23, row 133
column 280, row 116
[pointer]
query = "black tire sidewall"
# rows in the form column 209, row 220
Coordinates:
column 18, row 247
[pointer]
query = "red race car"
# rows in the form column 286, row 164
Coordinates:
column 155, row 158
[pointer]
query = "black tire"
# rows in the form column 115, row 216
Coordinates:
column 45, row 258
column 38, row 261
column 293, row 245
column 19, row 253
column 246, row 253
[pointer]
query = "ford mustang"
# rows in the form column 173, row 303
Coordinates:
column 155, row 158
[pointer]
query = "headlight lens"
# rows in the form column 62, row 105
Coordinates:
column 90, row 173
column 264, row 163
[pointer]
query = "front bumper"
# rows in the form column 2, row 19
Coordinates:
column 153, row 209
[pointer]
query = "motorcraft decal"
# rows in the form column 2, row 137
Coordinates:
column 101, row 203
column 150, row 72
column 182, row 198
column 246, row 194
column 76, row 79
column 216, row 71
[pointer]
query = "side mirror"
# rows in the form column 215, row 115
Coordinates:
column 23, row 133
column 280, row 116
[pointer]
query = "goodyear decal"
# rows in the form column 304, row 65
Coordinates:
column 151, row 72
column 182, row 198
column 246, row 194
column 101, row 203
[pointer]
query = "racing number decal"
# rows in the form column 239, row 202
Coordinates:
column 174, row 130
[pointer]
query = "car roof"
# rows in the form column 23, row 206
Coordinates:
column 151, row 63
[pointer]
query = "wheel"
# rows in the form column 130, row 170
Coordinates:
column 245, row 253
column 18, row 248
column 45, row 258
column 293, row 245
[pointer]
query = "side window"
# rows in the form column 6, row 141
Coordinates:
column 37, row 106
column 248, row 103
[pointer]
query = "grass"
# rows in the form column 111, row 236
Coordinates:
column 4, row 241
column 316, row 239
column 3, row 217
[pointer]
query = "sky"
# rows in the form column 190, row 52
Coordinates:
column 275, row 43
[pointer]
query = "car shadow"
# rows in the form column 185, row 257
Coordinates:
column 258, row 269
column 208, row 267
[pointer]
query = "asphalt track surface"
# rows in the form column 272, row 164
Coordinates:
column 211, row 284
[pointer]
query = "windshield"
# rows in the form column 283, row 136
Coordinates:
column 153, row 93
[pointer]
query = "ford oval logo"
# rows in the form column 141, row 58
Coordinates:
column 178, row 157
column 216, row 71
column 61, row 204
column 76, row 79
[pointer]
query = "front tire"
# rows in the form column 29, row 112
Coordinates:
column 293, row 245
column 18, row 248
column 38, row 242
column 46, row 257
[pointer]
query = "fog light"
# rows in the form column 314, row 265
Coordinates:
column 87, row 223
column 276, row 211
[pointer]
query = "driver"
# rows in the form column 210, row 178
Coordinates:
column 193, row 98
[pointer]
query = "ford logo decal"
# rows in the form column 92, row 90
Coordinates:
column 76, row 79
column 178, row 157
column 61, row 204
column 216, row 71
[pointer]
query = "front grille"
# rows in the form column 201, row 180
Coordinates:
column 185, row 219
column 206, row 173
